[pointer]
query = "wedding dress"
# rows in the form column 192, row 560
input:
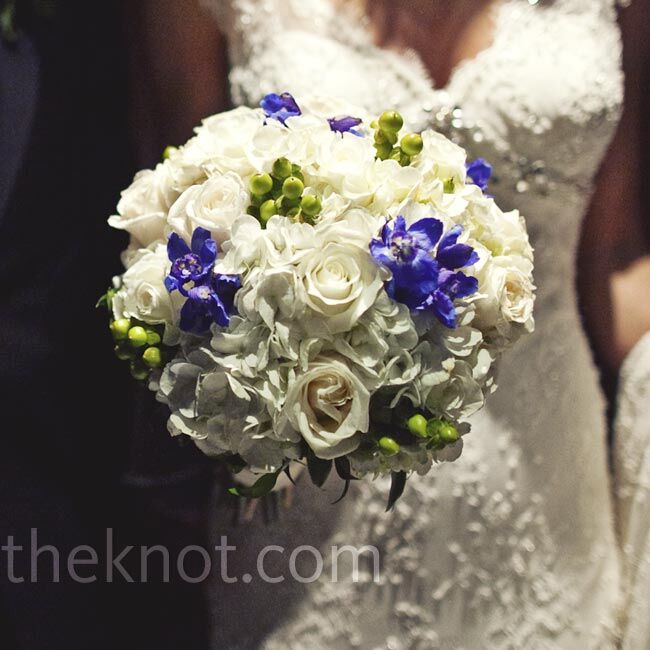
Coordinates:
column 513, row 546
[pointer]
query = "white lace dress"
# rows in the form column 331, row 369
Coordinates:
column 513, row 546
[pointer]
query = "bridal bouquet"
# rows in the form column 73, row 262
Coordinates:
column 306, row 283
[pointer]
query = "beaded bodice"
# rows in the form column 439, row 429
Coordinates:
column 513, row 545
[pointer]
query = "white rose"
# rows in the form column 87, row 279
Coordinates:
column 448, row 158
column 506, row 294
column 144, row 204
column 517, row 299
column 214, row 205
column 143, row 294
column 329, row 406
column 356, row 226
column 348, row 163
column 341, row 283
column 298, row 140
column 502, row 233
column 395, row 184
column 221, row 141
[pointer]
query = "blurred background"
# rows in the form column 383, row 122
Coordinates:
column 89, row 93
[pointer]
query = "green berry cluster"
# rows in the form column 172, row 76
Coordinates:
column 434, row 433
column 387, row 129
column 282, row 192
column 139, row 344
column 437, row 432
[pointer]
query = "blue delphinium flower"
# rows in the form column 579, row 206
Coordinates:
column 209, row 303
column 423, row 278
column 479, row 172
column 210, row 296
column 345, row 124
column 280, row 107
column 190, row 264
column 407, row 253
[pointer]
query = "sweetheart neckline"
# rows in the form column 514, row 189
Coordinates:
column 360, row 37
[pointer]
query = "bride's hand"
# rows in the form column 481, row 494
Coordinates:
column 614, row 265
column 631, row 304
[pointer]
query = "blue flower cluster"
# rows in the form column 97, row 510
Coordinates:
column 479, row 172
column 345, row 124
column 211, row 297
column 424, row 266
column 282, row 107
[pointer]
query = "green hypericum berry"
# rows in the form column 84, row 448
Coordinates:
column 388, row 446
column 292, row 213
column 261, row 184
column 120, row 328
column 292, row 187
column 152, row 357
column 391, row 122
column 417, row 425
column 449, row 185
column 281, row 168
column 411, row 144
column 124, row 353
column 138, row 371
column 433, row 427
column 448, row 433
column 153, row 338
column 310, row 205
column 267, row 210
column 442, row 430
column 137, row 336
column 168, row 152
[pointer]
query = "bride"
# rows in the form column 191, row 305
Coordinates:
column 524, row 542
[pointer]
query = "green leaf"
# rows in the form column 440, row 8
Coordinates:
column 343, row 469
column 106, row 300
column 287, row 471
column 346, row 487
column 260, row 488
column 319, row 469
column 397, row 484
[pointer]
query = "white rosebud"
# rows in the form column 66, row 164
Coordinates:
column 213, row 205
column 144, row 204
column 143, row 294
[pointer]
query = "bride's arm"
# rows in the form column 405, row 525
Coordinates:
column 178, row 69
column 614, row 266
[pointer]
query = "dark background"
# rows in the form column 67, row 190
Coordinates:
column 69, row 465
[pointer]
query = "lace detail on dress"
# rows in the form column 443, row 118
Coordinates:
column 632, row 436
column 513, row 545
